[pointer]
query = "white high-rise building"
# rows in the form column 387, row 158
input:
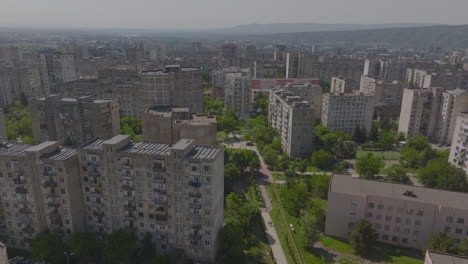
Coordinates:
column 459, row 150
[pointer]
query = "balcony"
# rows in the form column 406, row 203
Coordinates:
column 160, row 190
column 159, row 169
column 28, row 230
column 130, row 207
column 195, row 184
column 19, row 181
column 161, row 218
column 92, row 162
column 128, row 196
column 129, row 216
column 160, row 201
column 49, row 173
column 21, row 190
column 126, row 165
column 25, row 211
column 194, row 194
column 195, row 237
column 128, row 187
column 195, row 217
column 195, row 225
column 158, row 178
column 195, row 205
column 94, row 173
column 50, row 183
column 53, row 204
column 126, row 174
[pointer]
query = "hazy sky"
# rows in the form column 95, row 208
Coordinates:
column 222, row 13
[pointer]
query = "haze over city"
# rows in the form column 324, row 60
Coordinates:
column 203, row 14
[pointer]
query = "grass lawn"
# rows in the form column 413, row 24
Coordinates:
column 337, row 245
column 386, row 155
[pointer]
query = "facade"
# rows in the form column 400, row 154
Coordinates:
column 169, row 125
column 432, row 113
column 342, row 85
column 174, row 193
column 293, row 117
column 40, row 189
column 347, row 111
column 420, row 78
column 459, row 150
column 403, row 215
column 61, row 69
column 3, row 131
column 73, row 121
column 385, row 93
column 443, row 258
column 172, row 86
column 419, row 111
column 17, row 81
column 263, row 85
column 237, row 92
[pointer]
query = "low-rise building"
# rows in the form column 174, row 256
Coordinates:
column 73, row 121
column 459, row 150
column 403, row 215
column 293, row 117
column 169, row 125
column 345, row 112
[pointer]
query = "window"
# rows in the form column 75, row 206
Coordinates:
column 396, row 229
column 409, row 211
column 398, row 219
column 461, row 221
column 371, row 205
column 395, row 239
column 447, row 229
column 417, row 222
column 354, row 205
column 387, row 227
column 379, row 217
column 388, row 218
column 406, row 231
column 369, row 215
column 385, row 237
column 458, row 231
column 449, row 219
column 408, row 221
column 415, row 233
column 404, row 240
column 207, row 243
column 420, row 213
column 380, row 206
column 400, row 210
column 390, row 208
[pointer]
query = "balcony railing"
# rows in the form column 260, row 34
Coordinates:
column 159, row 178
column 130, row 207
column 25, row 211
column 54, row 204
column 21, row 190
column 195, row 236
column 28, row 230
column 19, row 181
column 128, row 187
column 94, row 173
column 195, row 194
column 160, row 201
column 195, row 205
column 160, row 190
column 195, row 184
column 50, row 183
column 50, row 173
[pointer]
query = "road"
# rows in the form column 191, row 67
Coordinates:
column 267, row 178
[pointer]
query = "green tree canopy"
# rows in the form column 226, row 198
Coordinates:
column 441, row 242
column 119, row 246
column 83, row 244
column 369, row 165
column 47, row 247
column 322, row 159
column 309, row 229
column 439, row 173
column 363, row 237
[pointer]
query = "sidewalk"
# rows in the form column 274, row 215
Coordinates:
column 273, row 239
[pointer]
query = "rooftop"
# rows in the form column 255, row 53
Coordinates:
column 444, row 258
column 12, row 149
column 146, row 148
column 349, row 185
column 59, row 154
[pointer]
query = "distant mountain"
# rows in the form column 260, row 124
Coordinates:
column 418, row 37
column 313, row 27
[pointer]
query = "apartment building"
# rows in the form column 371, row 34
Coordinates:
column 390, row 70
column 61, row 69
column 73, row 121
column 419, row 111
column 237, row 92
column 432, row 113
column 422, row 78
column 459, row 150
column 3, row 130
column 343, row 85
column 172, row 86
column 174, row 193
column 385, row 93
column 347, row 111
column 403, row 215
column 293, row 117
column 263, row 85
column 169, row 125
column 40, row 189
column 17, row 81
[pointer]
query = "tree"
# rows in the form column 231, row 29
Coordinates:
column 293, row 197
column 83, row 244
column 229, row 121
column 260, row 105
column 119, row 246
column 309, row 229
column 374, row 132
column 322, row 159
column 130, row 126
column 362, row 237
column 232, row 242
column 387, row 139
column 318, row 208
column 439, row 173
column 345, row 150
column 463, row 248
column 368, row 165
column 441, row 242
column 359, row 134
column 213, row 106
column 401, row 137
column 397, row 174
column 47, row 247
column 418, row 143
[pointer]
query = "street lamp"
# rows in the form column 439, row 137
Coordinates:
column 68, row 256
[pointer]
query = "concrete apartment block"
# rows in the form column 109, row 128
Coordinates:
column 347, row 111
column 403, row 215
column 174, row 193
column 169, row 125
column 3, row 131
column 459, row 150
column 237, row 92
column 73, row 121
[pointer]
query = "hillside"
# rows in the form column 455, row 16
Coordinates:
column 419, row 37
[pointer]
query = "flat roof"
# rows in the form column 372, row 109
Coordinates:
column 182, row 144
column 355, row 186
column 444, row 258
column 59, row 154
column 13, row 149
